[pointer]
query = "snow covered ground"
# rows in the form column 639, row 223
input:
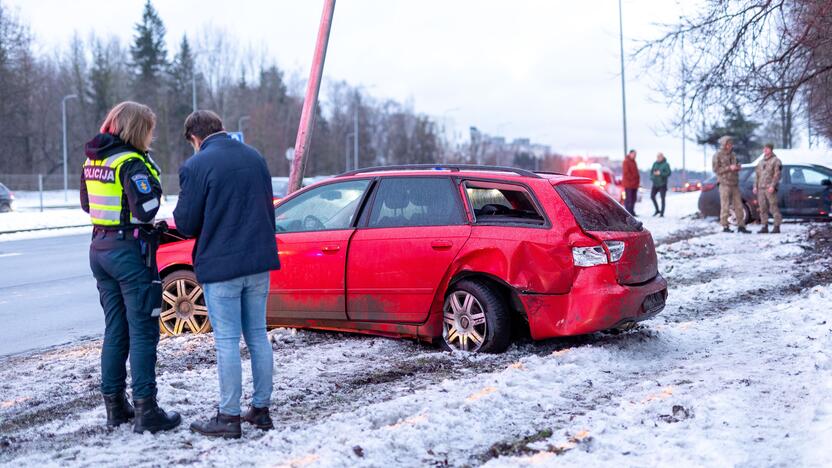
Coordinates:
column 736, row 371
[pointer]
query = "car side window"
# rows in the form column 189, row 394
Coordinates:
column 416, row 201
column 806, row 176
column 502, row 203
column 328, row 207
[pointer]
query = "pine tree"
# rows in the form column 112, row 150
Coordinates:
column 149, row 54
column 180, row 93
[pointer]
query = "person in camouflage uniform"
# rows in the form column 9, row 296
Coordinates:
column 727, row 171
column 767, row 179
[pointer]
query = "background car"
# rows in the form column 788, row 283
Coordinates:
column 6, row 199
column 457, row 255
column 805, row 192
column 602, row 176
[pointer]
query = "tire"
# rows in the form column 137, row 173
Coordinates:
column 5, row 207
column 475, row 319
column 746, row 213
column 183, row 305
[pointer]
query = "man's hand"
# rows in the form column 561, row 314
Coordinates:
column 735, row 167
column 657, row 172
column 770, row 190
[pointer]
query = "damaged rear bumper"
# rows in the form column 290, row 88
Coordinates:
column 596, row 302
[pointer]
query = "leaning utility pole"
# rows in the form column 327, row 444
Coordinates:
column 307, row 117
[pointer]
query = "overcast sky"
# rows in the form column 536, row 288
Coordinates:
column 546, row 70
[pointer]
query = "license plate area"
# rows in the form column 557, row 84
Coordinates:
column 653, row 303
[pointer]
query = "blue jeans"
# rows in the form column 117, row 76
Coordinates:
column 235, row 306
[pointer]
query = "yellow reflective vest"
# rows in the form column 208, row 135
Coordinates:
column 106, row 193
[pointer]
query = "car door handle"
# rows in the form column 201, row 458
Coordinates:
column 330, row 248
column 441, row 245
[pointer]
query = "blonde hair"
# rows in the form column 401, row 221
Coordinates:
column 132, row 122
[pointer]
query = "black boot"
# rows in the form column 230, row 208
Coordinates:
column 118, row 409
column 763, row 230
column 726, row 229
column 776, row 230
column 149, row 417
column 222, row 425
column 743, row 230
column 259, row 418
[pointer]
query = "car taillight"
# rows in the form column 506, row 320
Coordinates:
column 596, row 255
column 707, row 187
column 616, row 249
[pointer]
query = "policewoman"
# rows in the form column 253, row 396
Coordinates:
column 121, row 190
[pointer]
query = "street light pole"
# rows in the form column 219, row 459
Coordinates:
column 63, row 114
column 355, row 132
column 193, row 89
column 623, row 90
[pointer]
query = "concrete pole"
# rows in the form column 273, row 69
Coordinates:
column 307, row 117
column 623, row 90
column 63, row 114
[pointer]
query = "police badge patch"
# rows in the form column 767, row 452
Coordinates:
column 142, row 184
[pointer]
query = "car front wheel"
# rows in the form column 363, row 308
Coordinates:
column 475, row 319
column 746, row 215
column 183, row 305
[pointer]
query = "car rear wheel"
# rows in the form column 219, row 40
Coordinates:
column 746, row 214
column 183, row 305
column 475, row 319
column 5, row 207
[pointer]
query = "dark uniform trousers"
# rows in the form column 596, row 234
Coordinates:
column 124, row 286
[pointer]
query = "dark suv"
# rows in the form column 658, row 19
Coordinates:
column 805, row 192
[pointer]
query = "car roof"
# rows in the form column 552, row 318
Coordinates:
column 459, row 170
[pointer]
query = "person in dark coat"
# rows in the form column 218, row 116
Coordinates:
column 630, row 180
column 226, row 203
column 659, row 174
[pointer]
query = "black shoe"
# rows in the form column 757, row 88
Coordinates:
column 743, row 230
column 776, row 230
column 726, row 229
column 259, row 418
column 656, row 213
column 119, row 410
column 149, row 417
column 222, row 425
column 763, row 230
column 661, row 215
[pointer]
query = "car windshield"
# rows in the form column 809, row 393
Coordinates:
column 330, row 206
column 595, row 210
column 280, row 187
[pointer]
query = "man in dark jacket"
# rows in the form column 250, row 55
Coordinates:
column 226, row 203
column 631, row 180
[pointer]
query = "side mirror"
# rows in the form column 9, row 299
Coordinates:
column 826, row 182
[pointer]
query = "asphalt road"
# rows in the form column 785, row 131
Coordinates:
column 47, row 293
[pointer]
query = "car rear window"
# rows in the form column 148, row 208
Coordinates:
column 595, row 210
column 588, row 173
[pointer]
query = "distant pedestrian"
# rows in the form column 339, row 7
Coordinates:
column 727, row 171
column 631, row 180
column 767, row 180
column 121, row 191
column 659, row 174
column 226, row 203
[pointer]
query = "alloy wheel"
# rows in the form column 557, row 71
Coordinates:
column 465, row 326
column 183, row 308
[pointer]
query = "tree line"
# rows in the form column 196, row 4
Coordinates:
column 243, row 85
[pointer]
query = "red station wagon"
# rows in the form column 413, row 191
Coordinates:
column 447, row 254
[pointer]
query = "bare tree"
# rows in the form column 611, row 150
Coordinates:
column 756, row 52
